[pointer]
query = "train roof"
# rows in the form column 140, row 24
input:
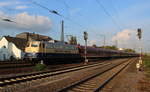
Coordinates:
column 104, row 49
column 56, row 43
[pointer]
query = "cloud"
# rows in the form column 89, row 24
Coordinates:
column 25, row 22
column 92, row 42
column 126, row 38
column 2, row 4
column 123, row 35
column 21, row 7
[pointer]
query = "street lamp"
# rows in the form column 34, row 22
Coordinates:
column 85, row 51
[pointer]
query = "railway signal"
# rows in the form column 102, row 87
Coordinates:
column 139, row 34
column 85, row 51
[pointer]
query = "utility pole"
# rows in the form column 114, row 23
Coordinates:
column 116, row 42
column 62, row 31
column 139, row 34
column 85, row 51
column 104, row 40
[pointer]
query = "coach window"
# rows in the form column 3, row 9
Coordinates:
column 51, row 46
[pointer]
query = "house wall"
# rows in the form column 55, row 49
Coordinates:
column 15, row 51
column 8, row 49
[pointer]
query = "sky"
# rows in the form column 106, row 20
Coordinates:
column 117, row 20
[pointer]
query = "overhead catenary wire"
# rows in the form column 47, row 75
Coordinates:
column 108, row 14
column 64, row 3
column 117, row 13
column 13, row 21
column 7, row 20
column 51, row 11
column 56, row 13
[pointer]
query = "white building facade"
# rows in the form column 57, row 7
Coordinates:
column 11, row 47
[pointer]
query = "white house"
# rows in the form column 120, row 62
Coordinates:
column 12, row 47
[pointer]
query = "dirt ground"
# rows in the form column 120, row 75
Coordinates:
column 129, row 80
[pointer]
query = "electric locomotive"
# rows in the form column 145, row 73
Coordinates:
column 51, row 52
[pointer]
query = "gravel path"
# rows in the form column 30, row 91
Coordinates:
column 127, row 81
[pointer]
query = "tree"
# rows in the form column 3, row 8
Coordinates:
column 94, row 45
column 110, row 47
column 129, row 50
column 73, row 40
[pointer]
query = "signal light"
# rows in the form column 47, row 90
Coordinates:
column 139, row 33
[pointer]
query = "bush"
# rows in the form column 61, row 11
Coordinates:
column 40, row 67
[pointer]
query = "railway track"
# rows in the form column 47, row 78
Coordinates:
column 98, row 81
column 4, row 81
column 9, row 66
column 9, row 83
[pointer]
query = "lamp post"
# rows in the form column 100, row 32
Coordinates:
column 85, row 51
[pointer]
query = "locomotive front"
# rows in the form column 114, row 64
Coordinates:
column 33, row 50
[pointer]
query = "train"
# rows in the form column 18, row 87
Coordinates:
column 60, row 52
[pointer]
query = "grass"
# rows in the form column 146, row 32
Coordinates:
column 40, row 67
column 146, row 60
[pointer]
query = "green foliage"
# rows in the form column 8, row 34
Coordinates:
column 147, row 64
column 40, row 67
column 111, row 47
column 129, row 50
column 94, row 45
column 73, row 40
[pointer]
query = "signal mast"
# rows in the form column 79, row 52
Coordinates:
column 139, row 34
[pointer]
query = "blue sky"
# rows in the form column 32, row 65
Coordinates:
column 116, row 19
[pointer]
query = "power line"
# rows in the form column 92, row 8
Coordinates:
column 7, row 20
column 51, row 11
column 64, row 3
column 114, row 8
column 13, row 21
column 55, row 12
column 117, row 14
column 108, row 14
